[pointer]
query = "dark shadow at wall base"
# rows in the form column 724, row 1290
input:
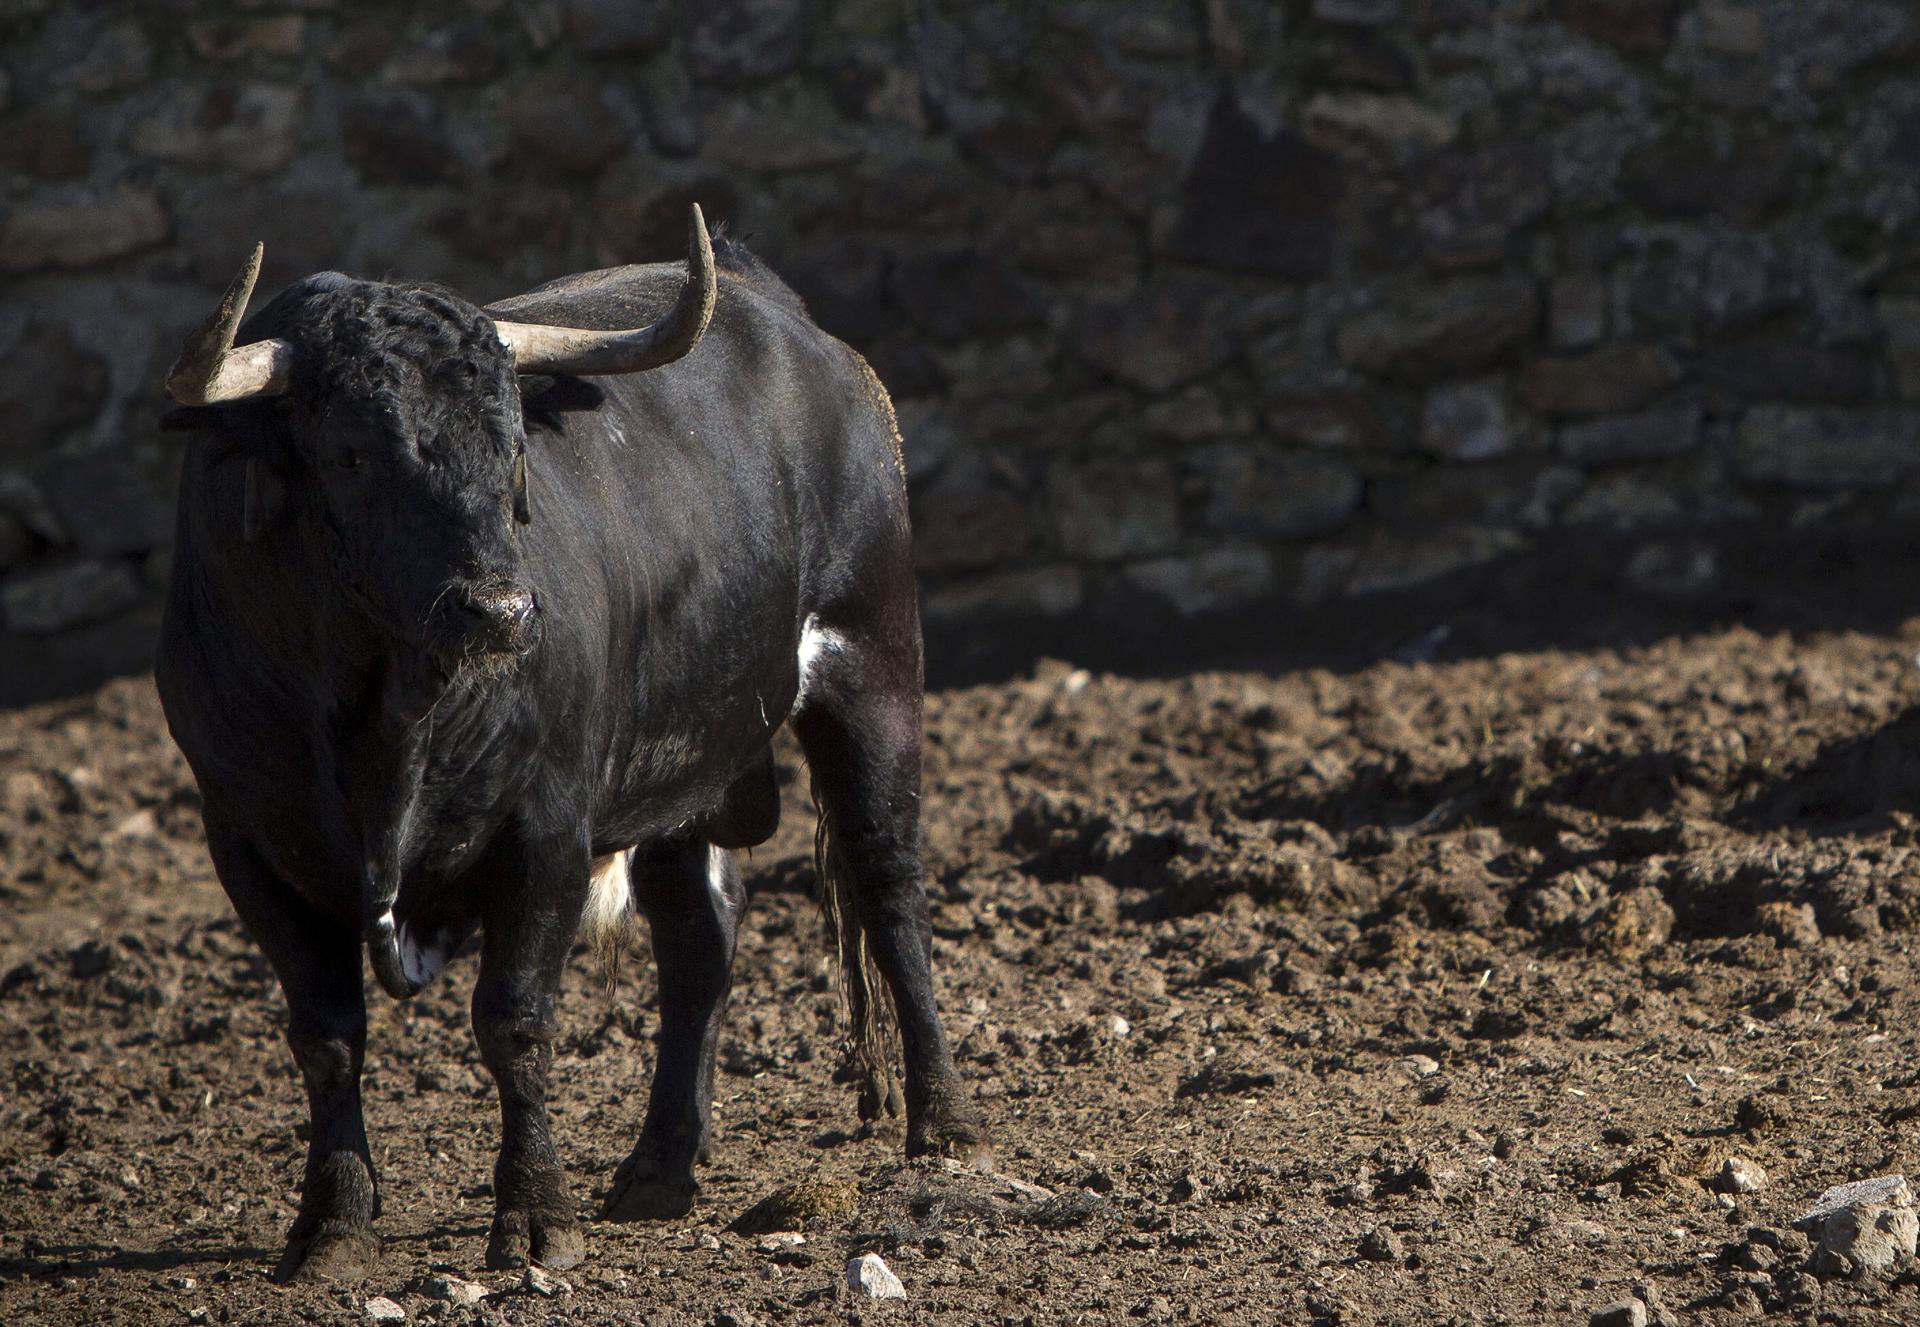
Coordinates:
column 1573, row 590
column 1577, row 589
column 70, row 663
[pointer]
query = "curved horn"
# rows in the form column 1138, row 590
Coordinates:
column 540, row 349
column 210, row 370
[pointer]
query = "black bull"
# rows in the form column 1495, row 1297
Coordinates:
column 457, row 640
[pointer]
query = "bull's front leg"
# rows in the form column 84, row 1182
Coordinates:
column 529, row 924
column 317, row 959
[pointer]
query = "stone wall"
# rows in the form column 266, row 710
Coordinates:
column 1190, row 301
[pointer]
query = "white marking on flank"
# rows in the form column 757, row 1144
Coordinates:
column 816, row 643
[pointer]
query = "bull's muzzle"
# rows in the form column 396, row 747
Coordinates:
column 492, row 618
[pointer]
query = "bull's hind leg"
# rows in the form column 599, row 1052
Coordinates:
column 528, row 924
column 317, row 959
column 860, row 727
column 691, row 894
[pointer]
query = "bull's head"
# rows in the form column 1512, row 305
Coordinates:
column 404, row 445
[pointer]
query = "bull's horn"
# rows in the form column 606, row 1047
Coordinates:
column 210, row 370
column 541, row 349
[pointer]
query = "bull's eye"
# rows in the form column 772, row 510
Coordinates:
column 346, row 458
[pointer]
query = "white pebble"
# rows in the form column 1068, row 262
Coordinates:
column 382, row 1309
column 542, row 1282
column 1740, row 1175
column 868, row 1275
column 1120, row 1026
column 455, row 1290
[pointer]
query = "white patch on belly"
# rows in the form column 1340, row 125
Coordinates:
column 717, row 861
column 816, row 643
column 609, row 899
column 421, row 962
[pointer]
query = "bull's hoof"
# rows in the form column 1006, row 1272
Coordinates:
column 330, row 1254
column 647, row 1189
column 520, row 1237
column 955, row 1133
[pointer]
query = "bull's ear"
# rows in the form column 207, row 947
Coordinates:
column 266, row 494
column 521, row 511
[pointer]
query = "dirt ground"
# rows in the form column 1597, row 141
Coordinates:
column 1434, row 992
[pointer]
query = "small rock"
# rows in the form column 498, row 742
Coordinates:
column 1421, row 1066
column 1794, row 925
column 1382, row 1245
column 454, row 1290
column 1119, row 1026
column 539, row 1281
column 1740, row 1175
column 1889, row 1190
column 1867, row 1226
column 382, row 1309
column 1623, row 1313
column 868, row 1275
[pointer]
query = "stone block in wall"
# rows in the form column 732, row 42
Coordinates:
column 1258, row 202
column 1442, row 331
column 1251, row 490
column 231, row 38
column 619, row 27
column 1576, row 311
column 305, row 231
column 1610, row 380
column 1392, row 560
column 456, row 54
column 494, row 222
column 48, row 598
column 124, row 220
column 967, row 516
column 1692, row 287
column 46, row 141
column 49, row 386
column 1730, row 28
column 1360, row 13
column 1690, row 174
column 1646, row 435
column 1470, row 203
column 1376, row 124
column 1029, row 592
column 1786, row 368
column 737, row 43
column 1526, row 491
column 105, row 506
column 1899, row 318
column 1640, row 26
column 1336, row 419
column 1109, row 509
column 640, row 208
column 960, row 294
column 252, row 128
column 559, row 128
column 1198, row 412
column 1812, row 447
column 120, row 57
column 781, row 130
column 1177, row 329
column 1469, row 421
column 16, row 541
column 1207, row 581
column 398, row 139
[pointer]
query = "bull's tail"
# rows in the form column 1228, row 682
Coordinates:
column 606, row 923
column 869, row 1007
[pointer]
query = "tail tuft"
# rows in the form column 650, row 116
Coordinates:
column 869, row 1007
column 607, row 921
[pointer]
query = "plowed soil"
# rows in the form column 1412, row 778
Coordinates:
column 1419, row 993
